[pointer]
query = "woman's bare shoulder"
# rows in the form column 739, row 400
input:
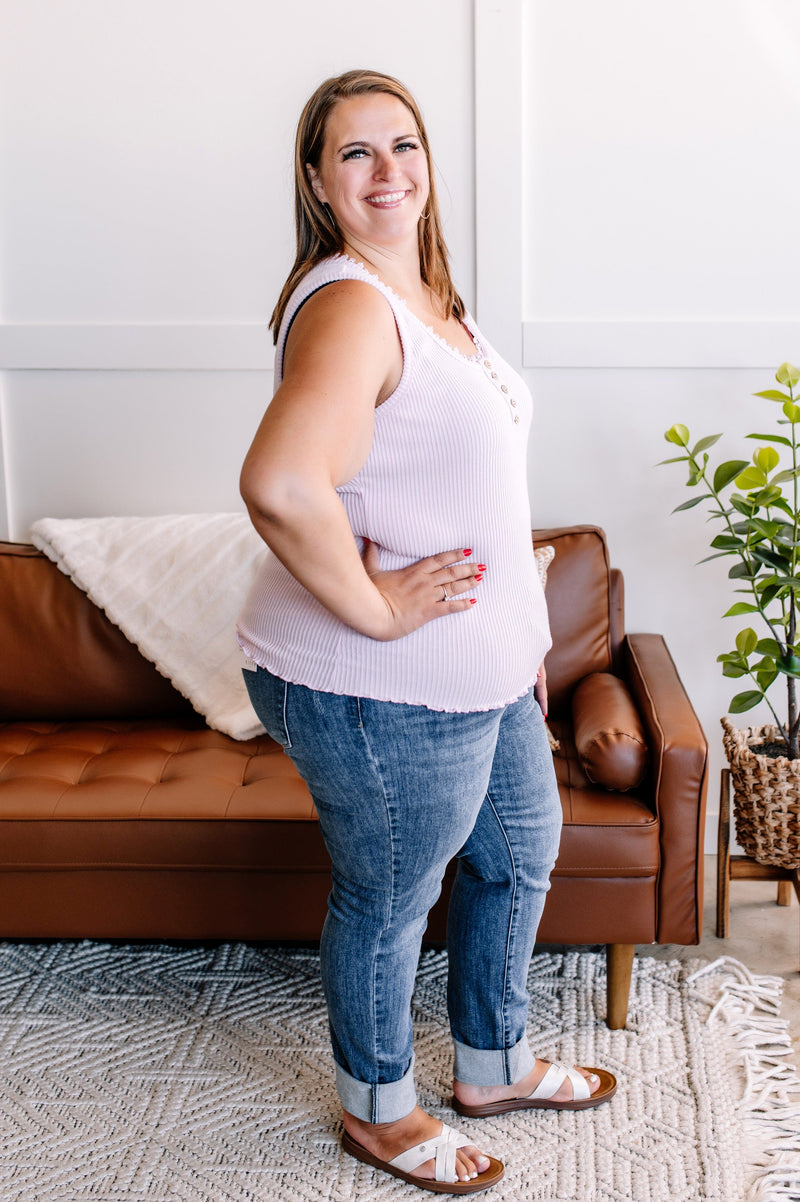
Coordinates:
column 344, row 326
column 350, row 314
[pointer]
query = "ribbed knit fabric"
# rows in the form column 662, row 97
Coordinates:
column 447, row 469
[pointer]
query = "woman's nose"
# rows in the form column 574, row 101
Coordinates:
column 385, row 166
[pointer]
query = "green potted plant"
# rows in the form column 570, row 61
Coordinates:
column 754, row 507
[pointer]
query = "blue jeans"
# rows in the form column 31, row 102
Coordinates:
column 400, row 790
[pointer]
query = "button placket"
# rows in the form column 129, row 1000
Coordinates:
column 503, row 388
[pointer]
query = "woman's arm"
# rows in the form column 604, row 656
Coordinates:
column 342, row 356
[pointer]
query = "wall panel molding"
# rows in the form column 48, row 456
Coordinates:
column 564, row 344
column 660, row 344
column 234, row 347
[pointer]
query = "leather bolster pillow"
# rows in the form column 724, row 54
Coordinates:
column 608, row 734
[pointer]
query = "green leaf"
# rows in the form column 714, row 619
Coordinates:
column 728, row 471
column 785, row 537
column 791, row 473
column 768, row 530
column 751, row 477
column 746, row 641
column 677, row 459
column 769, row 647
column 769, row 594
column 787, row 373
column 705, row 443
column 773, row 395
column 767, row 458
column 742, row 504
column 790, row 666
column 741, row 607
column 678, row 434
column 785, row 442
column 727, row 542
column 690, row 504
column 744, row 701
column 766, row 497
column 784, row 507
column 765, row 672
column 763, row 554
column 718, row 555
column 791, row 411
column 733, row 671
column 740, row 571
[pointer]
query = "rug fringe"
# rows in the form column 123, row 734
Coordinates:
column 749, row 1007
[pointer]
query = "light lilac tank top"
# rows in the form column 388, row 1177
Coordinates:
column 447, row 468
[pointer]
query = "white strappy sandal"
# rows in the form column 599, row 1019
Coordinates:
column 542, row 1096
column 442, row 1148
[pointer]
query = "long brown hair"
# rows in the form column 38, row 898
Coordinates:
column 317, row 234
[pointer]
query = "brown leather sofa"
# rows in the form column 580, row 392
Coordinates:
column 122, row 815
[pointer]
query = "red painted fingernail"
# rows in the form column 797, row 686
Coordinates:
column 481, row 567
column 473, row 600
column 479, row 576
column 468, row 550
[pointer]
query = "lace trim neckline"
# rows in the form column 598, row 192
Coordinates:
column 480, row 351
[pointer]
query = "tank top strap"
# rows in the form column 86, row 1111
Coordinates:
column 330, row 271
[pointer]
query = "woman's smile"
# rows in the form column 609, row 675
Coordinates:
column 386, row 200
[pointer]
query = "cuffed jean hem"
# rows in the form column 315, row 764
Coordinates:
column 377, row 1103
column 485, row 1066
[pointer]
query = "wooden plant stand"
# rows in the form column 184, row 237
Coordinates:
column 743, row 868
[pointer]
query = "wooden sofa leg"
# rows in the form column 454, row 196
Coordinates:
column 619, row 963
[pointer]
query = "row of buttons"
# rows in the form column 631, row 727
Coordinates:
column 503, row 388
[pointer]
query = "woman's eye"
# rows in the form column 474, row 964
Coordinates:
column 356, row 153
column 407, row 146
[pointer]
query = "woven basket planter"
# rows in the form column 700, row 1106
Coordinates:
column 766, row 797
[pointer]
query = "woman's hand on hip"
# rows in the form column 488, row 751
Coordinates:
column 430, row 588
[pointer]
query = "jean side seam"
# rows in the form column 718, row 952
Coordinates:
column 284, row 714
column 509, row 939
column 377, row 1059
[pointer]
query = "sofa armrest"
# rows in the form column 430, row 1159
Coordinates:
column 677, row 782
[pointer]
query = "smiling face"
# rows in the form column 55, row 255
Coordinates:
column 373, row 172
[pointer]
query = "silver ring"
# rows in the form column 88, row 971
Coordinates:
column 445, row 595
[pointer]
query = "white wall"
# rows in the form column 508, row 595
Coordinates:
column 146, row 228
column 658, row 179
column 620, row 182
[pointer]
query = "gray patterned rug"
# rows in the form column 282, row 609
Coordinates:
column 203, row 1074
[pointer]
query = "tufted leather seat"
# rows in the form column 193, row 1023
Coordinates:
column 134, row 770
column 123, row 815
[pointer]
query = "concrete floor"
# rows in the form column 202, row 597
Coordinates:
column 763, row 935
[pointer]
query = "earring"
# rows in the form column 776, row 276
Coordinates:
column 425, row 214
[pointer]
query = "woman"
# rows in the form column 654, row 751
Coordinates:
column 400, row 668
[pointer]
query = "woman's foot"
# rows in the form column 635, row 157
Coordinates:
column 478, row 1095
column 547, row 1086
column 387, row 1140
